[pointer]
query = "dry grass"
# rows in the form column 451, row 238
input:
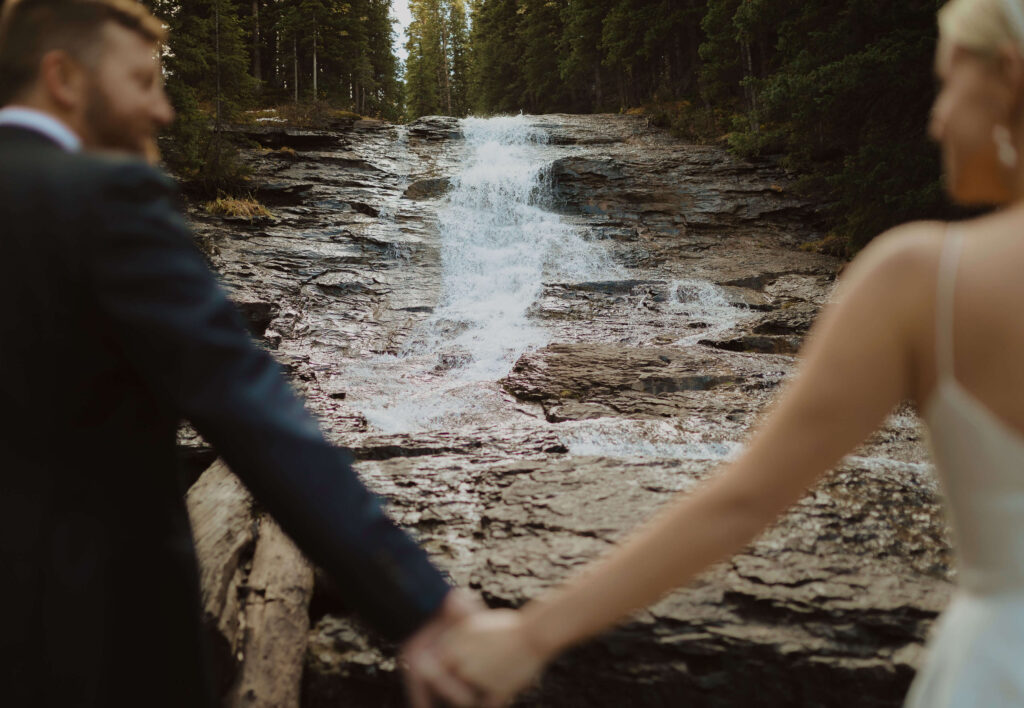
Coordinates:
column 238, row 208
column 314, row 115
column 308, row 115
column 267, row 114
column 339, row 114
column 832, row 245
column 284, row 152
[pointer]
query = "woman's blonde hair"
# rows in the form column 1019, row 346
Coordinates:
column 983, row 26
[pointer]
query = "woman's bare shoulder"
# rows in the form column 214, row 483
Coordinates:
column 898, row 259
column 908, row 244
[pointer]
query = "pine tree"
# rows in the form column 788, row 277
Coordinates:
column 496, row 79
column 538, row 30
column 437, row 71
column 208, row 83
column 386, row 98
column 580, row 56
column 422, row 94
column 459, row 49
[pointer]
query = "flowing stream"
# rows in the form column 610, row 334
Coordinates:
column 499, row 243
column 588, row 321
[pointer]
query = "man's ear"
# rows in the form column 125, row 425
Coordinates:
column 63, row 79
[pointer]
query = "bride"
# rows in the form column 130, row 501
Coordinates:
column 930, row 312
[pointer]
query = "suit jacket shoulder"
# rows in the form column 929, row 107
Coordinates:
column 124, row 323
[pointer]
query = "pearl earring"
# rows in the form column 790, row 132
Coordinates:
column 1004, row 145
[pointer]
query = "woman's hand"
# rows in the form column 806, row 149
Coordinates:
column 425, row 676
column 494, row 652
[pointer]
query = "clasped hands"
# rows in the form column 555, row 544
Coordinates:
column 470, row 656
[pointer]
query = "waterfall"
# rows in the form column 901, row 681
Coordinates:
column 498, row 245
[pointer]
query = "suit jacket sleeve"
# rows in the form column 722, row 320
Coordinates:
column 189, row 344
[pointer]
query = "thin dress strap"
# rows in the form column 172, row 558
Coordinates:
column 944, row 297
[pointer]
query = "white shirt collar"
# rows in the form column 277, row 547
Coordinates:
column 30, row 118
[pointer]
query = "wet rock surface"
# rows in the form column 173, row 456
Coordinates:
column 428, row 188
column 652, row 370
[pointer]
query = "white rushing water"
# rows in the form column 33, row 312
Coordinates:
column 498, row 246
column 702, row 302
column 628, row 438
column 689, row 301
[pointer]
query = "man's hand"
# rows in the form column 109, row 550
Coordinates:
column 494, row 652
column 426, row 677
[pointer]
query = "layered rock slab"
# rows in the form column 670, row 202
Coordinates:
column 833, row 601
column 829, row 608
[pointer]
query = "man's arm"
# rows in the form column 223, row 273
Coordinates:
column 189, row 345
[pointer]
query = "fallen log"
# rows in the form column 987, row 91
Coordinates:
column 224, row 529
column 256, row 588
column 276, row 620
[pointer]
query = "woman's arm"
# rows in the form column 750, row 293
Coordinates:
column 858, row 364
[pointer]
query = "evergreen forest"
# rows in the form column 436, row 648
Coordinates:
column 839, row 91
column 313, row 57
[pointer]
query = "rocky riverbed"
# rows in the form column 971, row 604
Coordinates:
column 534, row 331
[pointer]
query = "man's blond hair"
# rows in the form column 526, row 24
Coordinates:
column 29, row 29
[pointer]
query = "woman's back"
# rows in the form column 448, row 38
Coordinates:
column 973, row 406
column 974, row 412
column 982, row 282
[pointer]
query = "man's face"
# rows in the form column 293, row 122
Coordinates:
column 125, row 103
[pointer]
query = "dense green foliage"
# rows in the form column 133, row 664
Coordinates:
column 839, row 90
column 842, row 89
column 235, row 53
column 437, row 71
column 226, row 56
column 583, row 55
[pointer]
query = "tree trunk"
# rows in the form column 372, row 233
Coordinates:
column 315, row 95
column 257, row 64
column 682, row 70
column 748, row 89
column 216, row 44
column 275, row 60
column 295, row 57
column 445, row 67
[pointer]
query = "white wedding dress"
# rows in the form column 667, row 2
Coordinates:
column 976, row 656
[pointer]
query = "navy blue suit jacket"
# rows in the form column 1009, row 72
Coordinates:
column 114, row 329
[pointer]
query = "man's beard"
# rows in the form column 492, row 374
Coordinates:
column 108, row 131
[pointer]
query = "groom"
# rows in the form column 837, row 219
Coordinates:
column 114, row 330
